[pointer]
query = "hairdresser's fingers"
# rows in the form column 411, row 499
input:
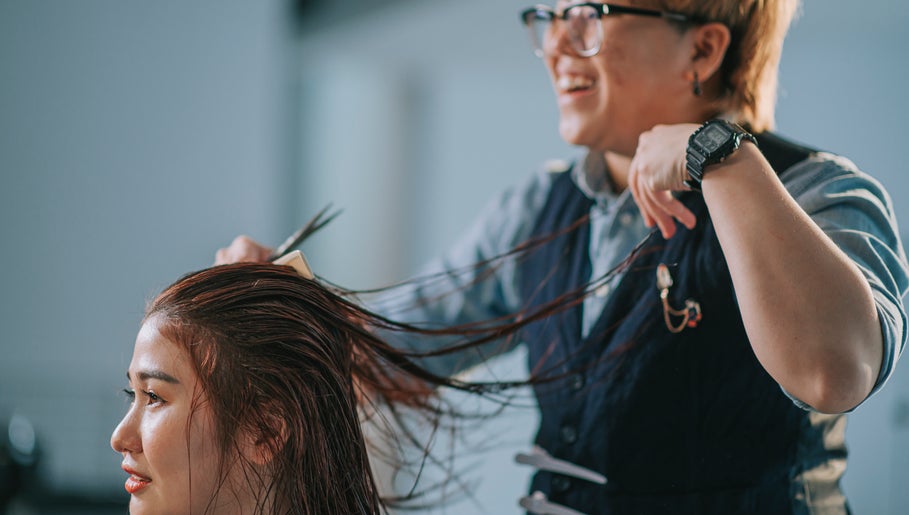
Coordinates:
column 672, row 207
column 242, row 249
column 663, row 220
column 647, row 209
column 648, row 182
column 634, row 178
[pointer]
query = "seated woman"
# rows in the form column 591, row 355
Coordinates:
column 245, row 382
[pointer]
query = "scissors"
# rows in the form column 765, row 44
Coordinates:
column 295, row 239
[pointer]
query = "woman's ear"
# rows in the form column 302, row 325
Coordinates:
column 260, row 445
column 710, row 43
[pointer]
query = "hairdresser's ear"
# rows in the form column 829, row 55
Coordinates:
column 260, row 445
column 710, row 42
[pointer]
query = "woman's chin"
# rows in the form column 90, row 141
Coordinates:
column 138, row 507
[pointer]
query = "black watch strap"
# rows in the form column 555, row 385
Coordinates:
column 711, row 143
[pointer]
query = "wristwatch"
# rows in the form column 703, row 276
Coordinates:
column 712, row 143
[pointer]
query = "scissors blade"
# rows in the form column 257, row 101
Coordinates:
column 313, row 225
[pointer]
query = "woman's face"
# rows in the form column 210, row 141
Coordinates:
column 167, row 437
column 636, row 80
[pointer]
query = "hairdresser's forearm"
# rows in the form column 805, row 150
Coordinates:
column 808, row 310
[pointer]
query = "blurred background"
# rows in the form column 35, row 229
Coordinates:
column 138, row 137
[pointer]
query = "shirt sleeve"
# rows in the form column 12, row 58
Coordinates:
column 856, row 212
column 473, row 282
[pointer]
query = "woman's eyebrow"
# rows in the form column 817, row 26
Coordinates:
column 145, row 375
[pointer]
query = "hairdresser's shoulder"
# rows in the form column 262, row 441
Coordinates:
column 510, row 215
column 528, row 195
column 825, row 176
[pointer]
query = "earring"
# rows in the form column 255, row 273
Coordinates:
column 696, row 89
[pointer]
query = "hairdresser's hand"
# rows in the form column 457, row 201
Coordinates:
column 242, row 249
column 658, row 169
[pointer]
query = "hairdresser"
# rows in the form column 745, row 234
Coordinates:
column 709, row 373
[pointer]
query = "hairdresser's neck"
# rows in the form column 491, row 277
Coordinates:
column 617, row 168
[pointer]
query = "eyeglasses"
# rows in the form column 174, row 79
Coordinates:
column 582, row 24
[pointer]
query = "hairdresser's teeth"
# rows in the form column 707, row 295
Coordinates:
column 574, row 82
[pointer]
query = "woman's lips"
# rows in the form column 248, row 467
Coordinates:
column 135, row 482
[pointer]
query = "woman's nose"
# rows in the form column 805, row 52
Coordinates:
column 125, row 437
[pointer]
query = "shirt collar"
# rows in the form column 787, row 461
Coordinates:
column 591, row 175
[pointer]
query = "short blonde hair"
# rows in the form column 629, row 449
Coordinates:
column 751, row 67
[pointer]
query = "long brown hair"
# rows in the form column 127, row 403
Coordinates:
column 287, row 360
column 273, row 355
column 293, row 362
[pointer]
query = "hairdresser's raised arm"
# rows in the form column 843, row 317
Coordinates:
column 808, row 309
column 813, row 315
column 242, row 249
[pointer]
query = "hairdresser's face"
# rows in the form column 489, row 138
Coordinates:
column 635, row 81
column 167, row 437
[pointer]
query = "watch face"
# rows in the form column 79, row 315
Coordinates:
column 713, row 137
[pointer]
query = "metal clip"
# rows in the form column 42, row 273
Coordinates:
column 538, row 504
column 542, row 460
column 691, row 314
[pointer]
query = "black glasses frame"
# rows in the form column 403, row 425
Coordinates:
column 547, row 14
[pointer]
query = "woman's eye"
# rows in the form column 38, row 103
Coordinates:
column 153, row 398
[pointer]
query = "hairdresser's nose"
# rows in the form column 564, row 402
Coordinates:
column 555, row 40
column 125, row 437
column 558, row 41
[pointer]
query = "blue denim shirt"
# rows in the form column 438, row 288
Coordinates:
column 850, row 207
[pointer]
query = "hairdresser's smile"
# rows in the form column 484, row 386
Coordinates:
column 607, row 100
column 570, row 86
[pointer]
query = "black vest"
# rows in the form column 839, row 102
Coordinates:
column 678, row 423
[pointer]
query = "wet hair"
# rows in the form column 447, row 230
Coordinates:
column 751, row 67
column 289, row 362
column 276, row 356
column 294, row 363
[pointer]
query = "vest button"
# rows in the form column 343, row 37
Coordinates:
column 569, row 434
column 560, row 484
column 576, row 382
